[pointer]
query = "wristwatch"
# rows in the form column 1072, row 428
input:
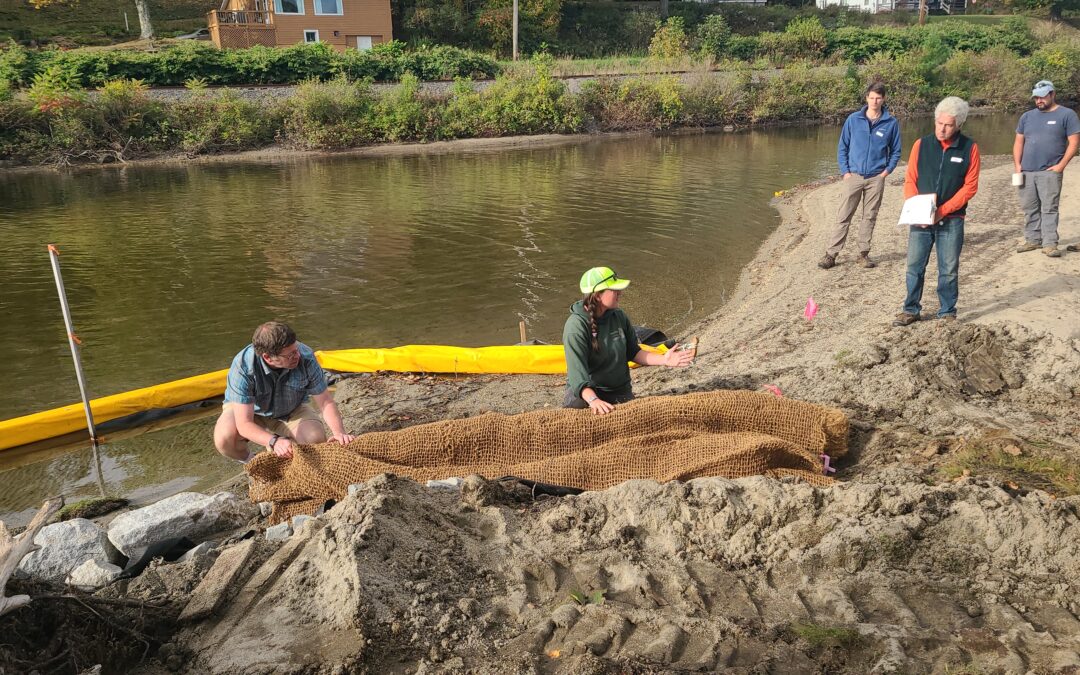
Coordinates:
column 590, row 400
column 273, row 439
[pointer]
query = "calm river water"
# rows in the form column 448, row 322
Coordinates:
column 168, row 269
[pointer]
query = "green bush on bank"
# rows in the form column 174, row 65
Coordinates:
column 52, row 123
column 256, row 65
column 712, row 37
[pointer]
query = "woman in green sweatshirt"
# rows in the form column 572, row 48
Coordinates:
column 599, row 341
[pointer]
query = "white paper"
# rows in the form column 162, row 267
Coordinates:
column 919, row 210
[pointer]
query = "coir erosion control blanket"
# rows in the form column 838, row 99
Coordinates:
column 723, row 433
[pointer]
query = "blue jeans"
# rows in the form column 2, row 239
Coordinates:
column 949, row 237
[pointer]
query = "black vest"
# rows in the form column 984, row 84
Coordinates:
column 942, row 170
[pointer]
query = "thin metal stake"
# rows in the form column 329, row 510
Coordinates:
column 74, row 342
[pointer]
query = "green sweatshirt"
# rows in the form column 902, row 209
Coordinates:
column 604, row 371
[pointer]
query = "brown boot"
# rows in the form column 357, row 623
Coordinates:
column 865, row 261
column 828, row 262
column 905, row 319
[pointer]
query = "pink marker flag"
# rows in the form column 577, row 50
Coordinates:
column 775, row 390
column 811, row 309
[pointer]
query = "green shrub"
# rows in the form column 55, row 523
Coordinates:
column 633, row 103
column 126, row 120
column 327, row 115
column 711, row 101
column 1014, row 33
column 1058, row 62
column 54, row 88
column 16, row 65
column 530, row 103
column 907, row 77
column 255, row 65
column 669, row 41
column 859, row 44
column 223, row 122
column 403, row 114
column 802, row 92
column 744, row 47
column 996, row 77
column 464, row 114
column 804, row 38
column 712, row 36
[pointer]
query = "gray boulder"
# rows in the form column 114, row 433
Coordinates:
column 188, row 514
column 65, row 546
column 92, row 575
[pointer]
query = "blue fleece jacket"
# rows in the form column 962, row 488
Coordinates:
column 867, row 148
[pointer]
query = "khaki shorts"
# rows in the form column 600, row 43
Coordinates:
column 283, row 427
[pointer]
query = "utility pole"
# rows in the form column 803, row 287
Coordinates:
column 515, row 29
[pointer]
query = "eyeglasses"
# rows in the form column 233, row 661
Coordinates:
column 288, row 354
column 610, row 277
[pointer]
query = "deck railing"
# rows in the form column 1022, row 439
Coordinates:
column 247, row 19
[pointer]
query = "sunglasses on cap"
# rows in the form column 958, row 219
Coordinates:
column 611, row 277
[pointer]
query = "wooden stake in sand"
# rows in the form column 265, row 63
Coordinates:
column 14, row 549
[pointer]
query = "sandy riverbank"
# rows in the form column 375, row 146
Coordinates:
column 1010, row 361
column 899, row 568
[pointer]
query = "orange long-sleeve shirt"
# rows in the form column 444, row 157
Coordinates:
column 963, row 196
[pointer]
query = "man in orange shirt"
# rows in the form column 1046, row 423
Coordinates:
column 944, row 163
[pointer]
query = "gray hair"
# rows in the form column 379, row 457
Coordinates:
column 955, row 106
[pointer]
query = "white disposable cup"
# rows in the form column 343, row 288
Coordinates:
column 1018, row 179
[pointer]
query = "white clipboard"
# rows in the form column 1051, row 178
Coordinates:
column 919, row 210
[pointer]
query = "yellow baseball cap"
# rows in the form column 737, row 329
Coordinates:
column 601, row 279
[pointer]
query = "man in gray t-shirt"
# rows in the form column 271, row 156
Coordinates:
column 1046, row 140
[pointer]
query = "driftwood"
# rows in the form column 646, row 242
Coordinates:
column 14, row 549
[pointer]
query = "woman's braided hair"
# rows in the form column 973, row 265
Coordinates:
column 591, row 302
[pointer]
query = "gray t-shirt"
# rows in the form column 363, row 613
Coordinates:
column 1046, row 135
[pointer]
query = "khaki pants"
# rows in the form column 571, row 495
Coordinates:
column 284, row 426
column 856, row 190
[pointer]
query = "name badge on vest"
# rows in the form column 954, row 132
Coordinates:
column 956, row 159
column 880, row 134
column 1051, row 121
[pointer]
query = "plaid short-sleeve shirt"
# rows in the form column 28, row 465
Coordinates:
column 275, row 393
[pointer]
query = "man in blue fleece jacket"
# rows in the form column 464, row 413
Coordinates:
column 868, row 151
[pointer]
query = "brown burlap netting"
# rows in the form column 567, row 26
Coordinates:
column 723, row 433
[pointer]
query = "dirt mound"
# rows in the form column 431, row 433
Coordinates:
column 703, row 575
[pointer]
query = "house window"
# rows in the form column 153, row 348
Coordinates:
column 363, row 42
column 289, row 6
column 328, row 7
column 311, row 36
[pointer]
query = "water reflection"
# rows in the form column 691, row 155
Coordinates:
column 168, row 269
